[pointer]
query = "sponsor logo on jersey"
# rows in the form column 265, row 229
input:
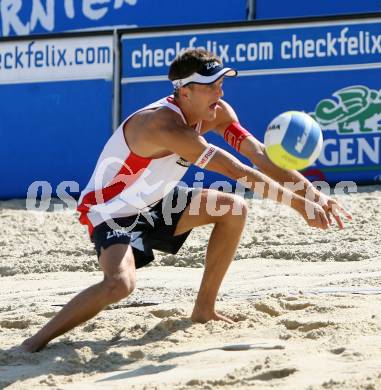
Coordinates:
column 183, row 162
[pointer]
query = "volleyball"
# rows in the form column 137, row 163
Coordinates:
column 293, row 140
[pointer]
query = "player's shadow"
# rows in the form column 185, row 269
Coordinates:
column 148, row 369
column 67, row 358
column 155, row 369
column 164, row 329
column 63, row 358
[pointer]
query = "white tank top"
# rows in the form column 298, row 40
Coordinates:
column 123, row 183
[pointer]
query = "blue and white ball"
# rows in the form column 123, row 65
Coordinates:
column 293, row 140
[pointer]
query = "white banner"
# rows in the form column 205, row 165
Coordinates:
column 58, row 59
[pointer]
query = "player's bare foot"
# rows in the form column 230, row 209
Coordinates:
column 198, row 316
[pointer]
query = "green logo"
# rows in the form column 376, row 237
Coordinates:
column 357, row 109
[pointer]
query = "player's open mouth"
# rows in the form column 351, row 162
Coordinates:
column 213, row 106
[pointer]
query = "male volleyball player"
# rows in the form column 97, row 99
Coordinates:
column 130, row 205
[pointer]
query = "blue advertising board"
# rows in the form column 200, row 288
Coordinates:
column 328, row 69
column 274, row 9
column 55, row 113
column 25, row 17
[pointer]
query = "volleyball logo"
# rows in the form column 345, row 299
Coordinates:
column 293, row 140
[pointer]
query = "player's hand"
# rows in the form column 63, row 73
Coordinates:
column 314, row 215
column 333, row 209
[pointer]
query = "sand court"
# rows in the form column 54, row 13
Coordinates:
column 305, row 305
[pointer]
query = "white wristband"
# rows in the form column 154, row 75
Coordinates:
column 206, row 156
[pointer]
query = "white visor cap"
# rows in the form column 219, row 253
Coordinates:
column 211, row 72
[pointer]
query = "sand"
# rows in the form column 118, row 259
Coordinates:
column 306, row 306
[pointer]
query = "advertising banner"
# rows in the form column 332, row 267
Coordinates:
column 56, row 112
column 25, row 17
column 56, row 59
column 273, row 9
column 329, row 69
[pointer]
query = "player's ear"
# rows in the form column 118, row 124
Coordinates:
column 185, row 92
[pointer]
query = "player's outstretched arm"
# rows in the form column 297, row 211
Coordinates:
column 250, row 147
column 178, row 138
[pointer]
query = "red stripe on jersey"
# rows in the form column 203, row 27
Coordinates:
column 130, row 171
column 84, row 220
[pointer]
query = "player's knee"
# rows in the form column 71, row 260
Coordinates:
column 220, row 205
column 238, row 207
column 241, row 207
column 119, row 287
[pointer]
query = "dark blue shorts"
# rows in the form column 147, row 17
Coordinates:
column 153, row 229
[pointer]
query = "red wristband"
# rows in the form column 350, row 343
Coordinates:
column 234, row 135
